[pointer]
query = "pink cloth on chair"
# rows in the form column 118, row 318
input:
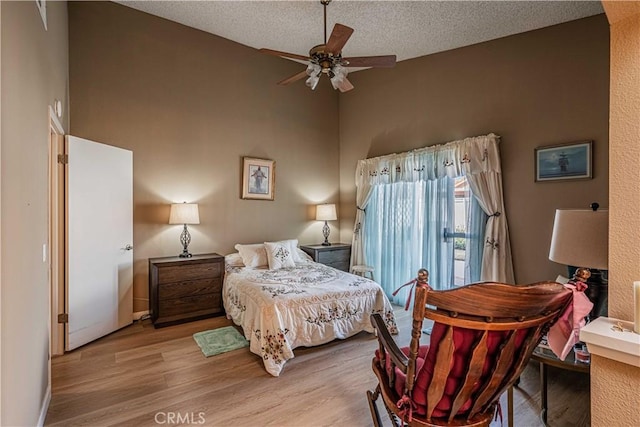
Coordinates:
column 565, row 332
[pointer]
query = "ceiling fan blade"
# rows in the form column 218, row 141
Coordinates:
column 345, row 86
column 385, row 61
column 338, row 38
column 284, row 54
column 294, row 78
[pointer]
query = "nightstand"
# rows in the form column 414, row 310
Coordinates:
column 185, row 289
column 338, row 255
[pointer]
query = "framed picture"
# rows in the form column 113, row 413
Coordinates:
column 42, row 8
column 258, row 178
column 563, row 161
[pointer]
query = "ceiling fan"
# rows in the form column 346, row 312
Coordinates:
column 327, row 59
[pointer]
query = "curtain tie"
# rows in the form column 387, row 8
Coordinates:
column 496, row 214
column 360, row 209
column 412, row 284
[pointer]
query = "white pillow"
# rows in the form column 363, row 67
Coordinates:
column 292, row 245
column 279, row 255
column 234, row 260
column 304, row 257
column 253, row 255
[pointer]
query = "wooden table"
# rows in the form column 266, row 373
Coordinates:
column 547, row 358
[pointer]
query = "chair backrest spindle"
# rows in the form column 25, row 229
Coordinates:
column 416, row 327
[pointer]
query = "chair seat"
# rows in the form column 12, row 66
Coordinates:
column 401, row 378
column 463, row 339
column 363, row 270
column 391, row 398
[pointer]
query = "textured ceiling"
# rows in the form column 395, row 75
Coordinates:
column 407, row 29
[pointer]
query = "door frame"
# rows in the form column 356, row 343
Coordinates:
column 1, row 383
column 57, row 244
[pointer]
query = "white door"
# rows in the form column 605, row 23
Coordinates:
column 99, row 240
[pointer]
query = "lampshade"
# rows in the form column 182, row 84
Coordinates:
column 313, row 69
column 339, row 74
column 326, row 212
column 312, row 82
column 184, row 213
column 580, row 238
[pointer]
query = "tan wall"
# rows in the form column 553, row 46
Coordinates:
column 538, row 88
column 34, row 73
column 624, row 188
column 614, row 393
column 614, row 385
column 190, row 105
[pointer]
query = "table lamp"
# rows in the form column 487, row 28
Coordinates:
column 326, row 212
column 581, row 240
column 184, row 213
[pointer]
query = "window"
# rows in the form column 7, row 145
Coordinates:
column 432, row 224
column 412, row 197
column 469, row 225
column 404, row 226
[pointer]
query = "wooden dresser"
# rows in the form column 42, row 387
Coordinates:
column 185, row 289
column 338, row 255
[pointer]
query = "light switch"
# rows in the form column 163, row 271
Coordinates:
column 44, row 252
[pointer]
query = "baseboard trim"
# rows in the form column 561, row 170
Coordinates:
column 45, row 407
column 138, row 314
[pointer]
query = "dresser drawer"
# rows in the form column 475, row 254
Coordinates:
column 187, row 305
column 331, row 257
column 173, row 273
column 343, row 265
column 191, row 288
column 338, row 255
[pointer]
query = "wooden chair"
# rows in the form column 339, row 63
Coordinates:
column 482, row 338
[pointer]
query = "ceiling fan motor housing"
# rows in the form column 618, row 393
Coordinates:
column 324, row 59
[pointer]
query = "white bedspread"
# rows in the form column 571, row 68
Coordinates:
column 306, row 305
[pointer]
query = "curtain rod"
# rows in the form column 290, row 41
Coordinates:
column 496, row 136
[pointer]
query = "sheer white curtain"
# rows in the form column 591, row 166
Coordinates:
column 477, row 159
column 474, row 250
column 404, row 232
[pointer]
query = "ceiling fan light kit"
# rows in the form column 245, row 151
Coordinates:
column 327, row 59
column 313, row 71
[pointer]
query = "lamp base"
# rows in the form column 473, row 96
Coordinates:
column 325, row 232
column 185, row 239
column 597, row 291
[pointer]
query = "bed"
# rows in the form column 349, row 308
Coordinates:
column 301, row 304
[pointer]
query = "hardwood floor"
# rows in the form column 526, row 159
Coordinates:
column 141, row 376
